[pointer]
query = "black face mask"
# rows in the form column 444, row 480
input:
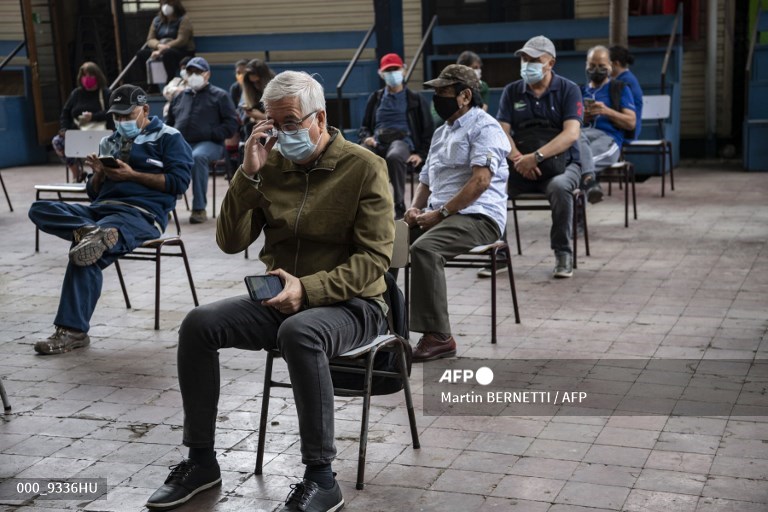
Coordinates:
column 445, row 106
column 597, row 75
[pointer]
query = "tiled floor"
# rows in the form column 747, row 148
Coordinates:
column 689, row 279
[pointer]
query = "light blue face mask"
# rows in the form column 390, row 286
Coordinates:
column 297, row 147
column 128, row 129
column 532, row 72
column 393, row 78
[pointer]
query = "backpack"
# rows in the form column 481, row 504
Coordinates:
column 386, row 360
column 616, row 87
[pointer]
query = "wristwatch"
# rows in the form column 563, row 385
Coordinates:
column 444, row 213
column 539, row 157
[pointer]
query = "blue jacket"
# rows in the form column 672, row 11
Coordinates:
column 158, row 149
column 204, row 115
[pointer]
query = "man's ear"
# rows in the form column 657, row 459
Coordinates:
column 321, row 120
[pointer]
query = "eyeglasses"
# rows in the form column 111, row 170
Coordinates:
column 289, row 128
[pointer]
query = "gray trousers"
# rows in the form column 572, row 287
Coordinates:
column 559, row 192
column 602, row 149
column 429, row 251
column 307, row 340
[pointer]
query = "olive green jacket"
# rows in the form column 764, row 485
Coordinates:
column 332, row 226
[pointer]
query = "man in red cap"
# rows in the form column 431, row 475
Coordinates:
column 397, row 126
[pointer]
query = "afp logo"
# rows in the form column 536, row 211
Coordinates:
column 483, row 376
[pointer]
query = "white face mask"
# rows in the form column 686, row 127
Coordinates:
column 167, row 10
column 196, row 81
column 479, row 73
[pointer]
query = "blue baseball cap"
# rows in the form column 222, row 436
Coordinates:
column 198, row 63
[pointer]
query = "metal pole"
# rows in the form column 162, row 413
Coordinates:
column 711, row 79
column 618, row 18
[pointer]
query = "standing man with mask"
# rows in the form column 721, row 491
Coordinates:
column 461, row 202
column 545, row 102
column 206, row 117
column 326, row 212
column 130, row 204
column 397, row 125
column 609, row 117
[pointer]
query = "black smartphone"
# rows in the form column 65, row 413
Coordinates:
column 263, row 287
column 109, row 161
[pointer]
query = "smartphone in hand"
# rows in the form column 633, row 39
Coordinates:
column 263, row 287
column 109, row 161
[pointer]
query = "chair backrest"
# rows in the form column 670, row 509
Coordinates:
column 81, row 143
column 400, row 251
column 656, row 106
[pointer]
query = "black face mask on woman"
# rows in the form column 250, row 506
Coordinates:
column 445, row 106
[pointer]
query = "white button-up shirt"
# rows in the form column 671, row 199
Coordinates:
column 475, row 138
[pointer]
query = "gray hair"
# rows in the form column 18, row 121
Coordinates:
column 599, row 49
column 295, row 84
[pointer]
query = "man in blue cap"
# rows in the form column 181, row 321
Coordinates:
column 206, row 117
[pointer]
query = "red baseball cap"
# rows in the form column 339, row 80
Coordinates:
column 390, row 60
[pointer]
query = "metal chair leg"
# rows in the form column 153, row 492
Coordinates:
column 671, row 166
column 625, row 176
column 408, row 398
column 517, row 228
column 575, row 229
column 512, row 285
column 189, row 272
column 122, row 284
column 7, row 403
column 157, row 287
column 264, row 412
column 493, row 296
column 5, row 191
column 586, row 228
column 360, row 484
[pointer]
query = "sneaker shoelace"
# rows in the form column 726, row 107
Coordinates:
column 180, row 471
column 301, row 494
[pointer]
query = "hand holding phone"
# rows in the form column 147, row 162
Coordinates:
column 263, row 287
column 109, row 161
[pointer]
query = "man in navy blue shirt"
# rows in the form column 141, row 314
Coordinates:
column 397, row 125
column 206, row 117
column 609, row 117
column 556, row 102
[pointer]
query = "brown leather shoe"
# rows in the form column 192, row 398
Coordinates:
column 432, row 346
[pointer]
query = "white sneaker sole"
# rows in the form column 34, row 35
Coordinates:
column 184, row 499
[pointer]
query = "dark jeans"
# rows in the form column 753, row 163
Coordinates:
column 307, row 340
column 81, row 288
column 559, row 191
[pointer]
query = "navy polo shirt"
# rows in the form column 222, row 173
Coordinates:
column 559, row 103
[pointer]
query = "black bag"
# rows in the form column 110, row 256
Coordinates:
column 616, row 87
column 532, row 135
column 387, row 136
column 387, row 360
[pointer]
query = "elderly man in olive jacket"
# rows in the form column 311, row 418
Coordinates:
column 325, row 209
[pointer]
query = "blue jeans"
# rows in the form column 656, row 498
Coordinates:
column 307, row 340
column 203, row 153
column 559, row 192
column 82, row 285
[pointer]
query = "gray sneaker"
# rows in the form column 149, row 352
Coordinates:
column 198, row 217
column 486, row 272
column 563, row 265
column 92, row 242
column 63, row 340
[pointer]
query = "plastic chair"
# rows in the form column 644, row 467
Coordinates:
column 356, row 361
column 656, row 108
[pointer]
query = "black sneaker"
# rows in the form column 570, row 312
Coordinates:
column 594, row 192
column 185, row 480
column 307, row 496
column 563, row 265
column 92, row 242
